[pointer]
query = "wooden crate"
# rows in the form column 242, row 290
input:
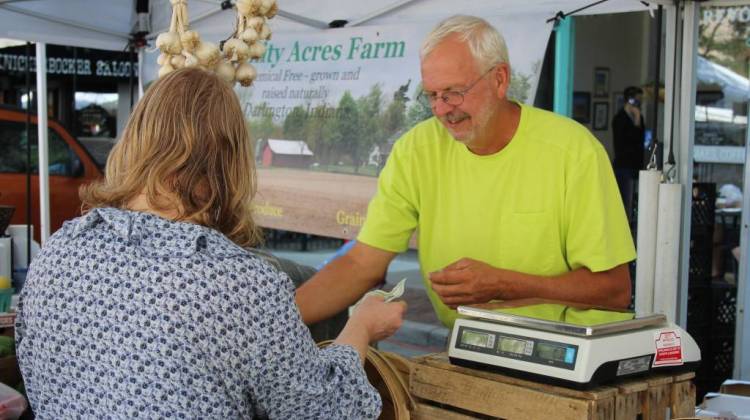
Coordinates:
column 449, row 392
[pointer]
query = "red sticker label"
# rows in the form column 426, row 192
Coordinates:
column 668, row 348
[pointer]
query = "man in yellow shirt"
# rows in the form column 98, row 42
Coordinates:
column 508, row 201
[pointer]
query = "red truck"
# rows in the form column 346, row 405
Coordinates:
column 70, row 166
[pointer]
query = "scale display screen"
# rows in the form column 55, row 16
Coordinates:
column 478, row 339
column 552, row 352
column 514, row 345
column 528, row 349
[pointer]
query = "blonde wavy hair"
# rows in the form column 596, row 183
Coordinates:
column 186, row 148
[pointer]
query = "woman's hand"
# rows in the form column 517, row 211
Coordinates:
column 373, row 320
column 380, row 319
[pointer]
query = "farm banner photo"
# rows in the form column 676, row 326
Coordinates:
column 327, row 106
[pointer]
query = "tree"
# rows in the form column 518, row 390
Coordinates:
column 346, row 128
column 318, row 131
column 419, row 110
column 263, row 127
column 723, row 38
column 394, row 118
column 294, row 124
column 520, row 85
column 370, row 130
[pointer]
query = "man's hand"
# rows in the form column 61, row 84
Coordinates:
column 468, row 281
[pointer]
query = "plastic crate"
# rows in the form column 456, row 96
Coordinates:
column 699, row 311
column 701, row 253
column 717, row 357
column 724, row 305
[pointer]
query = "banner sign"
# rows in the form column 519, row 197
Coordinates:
column 67, row 61
column 328, row 105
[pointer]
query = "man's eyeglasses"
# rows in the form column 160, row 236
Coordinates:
column 452, row 97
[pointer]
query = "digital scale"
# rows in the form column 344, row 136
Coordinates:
column 567, row 354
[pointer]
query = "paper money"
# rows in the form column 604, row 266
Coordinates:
column 395, row 293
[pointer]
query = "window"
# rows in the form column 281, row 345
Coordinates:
column 96, row 114
column 62, row 160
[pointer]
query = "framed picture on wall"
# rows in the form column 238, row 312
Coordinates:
column 601, row 82
column 582, row 107
column 601, row 116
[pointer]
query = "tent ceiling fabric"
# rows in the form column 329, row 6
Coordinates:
column 85, row 23
column 106, row 24
column 395, row 11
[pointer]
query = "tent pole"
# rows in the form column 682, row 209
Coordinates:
column 140, row 73
column 29, row 221
column 682, row 139
column 41, row 116
column 657, row 75
column 75, row 89
column 131, row 59
column 303, row 20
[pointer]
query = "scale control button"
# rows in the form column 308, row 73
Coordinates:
column 570, row 355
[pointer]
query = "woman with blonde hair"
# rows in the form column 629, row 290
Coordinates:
column 150, row 304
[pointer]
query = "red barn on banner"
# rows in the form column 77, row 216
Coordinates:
column 287, row 153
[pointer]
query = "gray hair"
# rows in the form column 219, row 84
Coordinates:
column 486, row 44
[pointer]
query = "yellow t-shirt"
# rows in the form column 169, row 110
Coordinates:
column 546, row 204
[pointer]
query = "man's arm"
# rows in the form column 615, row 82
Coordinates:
column 469, row 281
column 342, row 282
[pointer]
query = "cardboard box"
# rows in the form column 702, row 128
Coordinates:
column 735, row 387
column 724, row 406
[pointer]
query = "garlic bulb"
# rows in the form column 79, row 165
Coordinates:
column 226, row 71
column 257, row 50
column 165, row 69
column 190, row 40
column 265, row 31
column 243, row 7
column 177, row 61
column 208, row 54
column 236, row 50
column 272, row 11
column 169, row 42
column 181, row 47
column 245, row 74
column 255, row 22
column 190, row 60
column 265, row 6
column 249, row 35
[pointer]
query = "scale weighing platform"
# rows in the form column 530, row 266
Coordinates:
column 566, row 354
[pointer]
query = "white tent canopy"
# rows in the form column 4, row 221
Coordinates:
column 108, row 24
column 83, row 23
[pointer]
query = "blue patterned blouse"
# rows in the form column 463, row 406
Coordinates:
column 128, row 315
